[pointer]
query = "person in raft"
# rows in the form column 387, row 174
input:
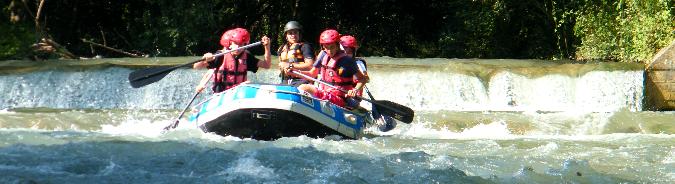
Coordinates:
column 335, row 68
column 294, row 53
column 350, row 45
column 229, row 70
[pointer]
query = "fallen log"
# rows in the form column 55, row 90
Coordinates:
column 48, row 46
column 113, row 49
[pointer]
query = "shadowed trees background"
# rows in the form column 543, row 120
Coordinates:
column 628, row 30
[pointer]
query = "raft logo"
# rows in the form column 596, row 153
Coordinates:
column 327, row 109
column 307, row 99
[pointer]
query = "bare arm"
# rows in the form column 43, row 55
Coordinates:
column 267, row 62
column 208, row 57
column 307, row 65
column 205, row 79
column 362, row 82
column 312, row 72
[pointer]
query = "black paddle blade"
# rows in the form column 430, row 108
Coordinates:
column 396, row 111
column 140, row 78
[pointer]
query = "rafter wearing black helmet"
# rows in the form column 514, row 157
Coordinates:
column 294, row 53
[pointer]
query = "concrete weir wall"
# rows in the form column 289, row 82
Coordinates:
column 660, row 80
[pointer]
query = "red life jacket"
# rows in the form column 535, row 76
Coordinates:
column 231, row 72
column 329, row 73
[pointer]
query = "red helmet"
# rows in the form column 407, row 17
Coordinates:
column 329, row 36
column 225, row 39
column 239, row 36
column 348, row 41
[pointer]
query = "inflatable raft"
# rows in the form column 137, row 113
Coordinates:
column 267, row 112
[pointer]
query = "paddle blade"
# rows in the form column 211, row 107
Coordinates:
column 140, row 78
column 396, row 111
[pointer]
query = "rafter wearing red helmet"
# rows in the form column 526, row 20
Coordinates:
column 230, row 69
column 336, row 68
column 349, row 45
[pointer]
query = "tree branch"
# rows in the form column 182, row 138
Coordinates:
column 113, row 49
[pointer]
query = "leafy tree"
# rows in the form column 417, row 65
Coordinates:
column 625, row 30
column 629, row 30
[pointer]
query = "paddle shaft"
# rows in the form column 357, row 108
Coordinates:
column 376, row 114
column 175, row 123
column 345, row 91
column 149, row 75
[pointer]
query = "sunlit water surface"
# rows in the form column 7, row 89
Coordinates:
column 477, row 121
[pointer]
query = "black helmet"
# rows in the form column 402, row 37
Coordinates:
column 292, row 25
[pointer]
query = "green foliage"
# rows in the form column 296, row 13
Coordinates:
column 564, row 13
column 626, row 30
column 16, row 37
column 630, row 30
column 16, row 41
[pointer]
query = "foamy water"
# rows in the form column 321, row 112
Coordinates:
column 504, row 125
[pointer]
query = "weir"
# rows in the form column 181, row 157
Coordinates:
column 422, row 84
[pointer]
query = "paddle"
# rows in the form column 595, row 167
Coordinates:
column 385, row 124
column 397, row 111
column 147, row 76
column 175, row 123
column 376, row 113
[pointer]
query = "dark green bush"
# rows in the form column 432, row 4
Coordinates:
column 627, row 30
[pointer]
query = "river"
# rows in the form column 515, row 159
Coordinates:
column 477, row 121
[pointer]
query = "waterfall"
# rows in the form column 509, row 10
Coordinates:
column 596, row 91
column 426, row 85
